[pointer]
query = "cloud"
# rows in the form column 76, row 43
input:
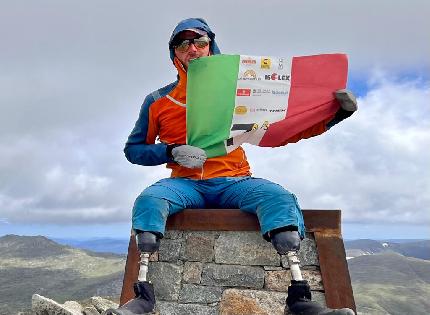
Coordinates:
column 59, row 178
column 373, row 166
column 74, row 75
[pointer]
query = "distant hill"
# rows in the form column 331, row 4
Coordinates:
column 100, row 245
column 29, row 247
column 416, row 248
column 389, row 283
column 419, row 249
column 36, row 264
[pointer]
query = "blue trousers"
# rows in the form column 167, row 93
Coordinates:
column 274, row 206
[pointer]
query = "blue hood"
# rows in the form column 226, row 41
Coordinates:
column 194, row 23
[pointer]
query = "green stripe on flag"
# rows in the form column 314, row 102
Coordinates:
column 211, row 93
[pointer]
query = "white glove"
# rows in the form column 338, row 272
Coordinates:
column 346, row 99
column 188, row 156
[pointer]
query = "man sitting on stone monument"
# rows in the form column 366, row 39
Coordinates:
column 200, row 182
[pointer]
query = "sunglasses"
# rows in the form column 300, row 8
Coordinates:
column 200, row 43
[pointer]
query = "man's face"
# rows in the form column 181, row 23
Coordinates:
column 192, row 52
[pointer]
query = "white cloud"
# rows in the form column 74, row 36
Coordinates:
column 373, row 166
column 73, row 77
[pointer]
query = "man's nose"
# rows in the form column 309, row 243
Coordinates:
column 192, row 47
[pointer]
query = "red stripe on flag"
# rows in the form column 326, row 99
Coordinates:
column 311, row 99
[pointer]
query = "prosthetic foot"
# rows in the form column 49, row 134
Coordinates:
column 144, row 301
column 299, row 300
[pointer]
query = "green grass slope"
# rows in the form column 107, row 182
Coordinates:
column 390, row 283
column 31, row 265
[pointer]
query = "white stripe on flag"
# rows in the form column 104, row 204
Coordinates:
column 263, row 88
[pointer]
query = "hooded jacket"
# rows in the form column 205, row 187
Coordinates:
column 163, row 116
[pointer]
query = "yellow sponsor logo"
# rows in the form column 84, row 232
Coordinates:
column 266, row 63
column 240, row 110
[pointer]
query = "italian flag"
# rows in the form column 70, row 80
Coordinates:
column 261, row 100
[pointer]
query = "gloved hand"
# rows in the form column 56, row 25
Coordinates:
column 346, row 99
column 187, row 155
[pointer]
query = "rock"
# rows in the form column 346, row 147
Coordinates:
column 277, row 280
column 314, row 279
column 166, row 278
column 199, row 246
column 169, row 250
column 233, row 275
column 90, row 310
column 173, row 234
column 169, row 308
column 319, row 297
column 102, row 304
column 191, row 293
column 153, row 257
column 280, row 280
column 73, row 305
column 272, row 268
column 41, row 305
column 245, row 248
column 308, row 253
column 192, row 272
column 246, row 302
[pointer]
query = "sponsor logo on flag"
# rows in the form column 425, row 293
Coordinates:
column 240, row 110
column 277, row 110
column 249, row 61
column 279, row 92
column 244, row 127
column 275, row 76
column 266, row 63
column 265, row 125
column 258, row 110
column 243, row 92
column 249, row 75
column 259, row 92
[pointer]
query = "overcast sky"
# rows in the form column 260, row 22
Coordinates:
column 74, row 74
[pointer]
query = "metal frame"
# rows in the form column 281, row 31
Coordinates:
column 325, row 224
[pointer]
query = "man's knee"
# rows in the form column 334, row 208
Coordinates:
column 150, row 214
column 148, row 242
column 285, row 239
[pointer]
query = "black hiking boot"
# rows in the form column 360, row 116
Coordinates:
column 143, row 303
column 299, row 302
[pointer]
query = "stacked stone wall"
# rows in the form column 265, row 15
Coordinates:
column 226, row 273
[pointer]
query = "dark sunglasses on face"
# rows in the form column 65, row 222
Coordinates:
column 200, row 43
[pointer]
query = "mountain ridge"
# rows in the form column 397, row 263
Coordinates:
column 36, row 264
column 390, row 283
column 417, row 248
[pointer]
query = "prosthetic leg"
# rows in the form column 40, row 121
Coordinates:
column 299, row 300
column 144, row 302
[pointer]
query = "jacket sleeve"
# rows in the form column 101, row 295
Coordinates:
column 140, row 147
